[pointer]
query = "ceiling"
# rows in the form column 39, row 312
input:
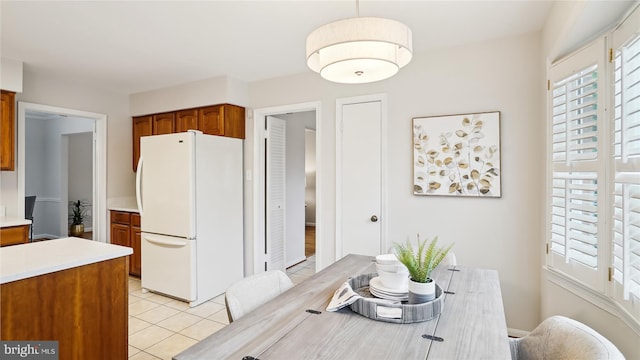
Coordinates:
column 129, row 47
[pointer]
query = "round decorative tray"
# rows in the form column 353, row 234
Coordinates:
column 398, row 312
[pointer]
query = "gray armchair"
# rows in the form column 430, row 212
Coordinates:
column 561, row 338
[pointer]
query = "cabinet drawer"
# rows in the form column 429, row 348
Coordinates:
column 14, row 235
column 135, row 220
column 120, row 217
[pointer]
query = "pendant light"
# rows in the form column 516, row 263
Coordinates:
column 359, row 50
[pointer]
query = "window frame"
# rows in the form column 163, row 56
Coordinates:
column 628, row 169
column 599, row 288
column 586, row 57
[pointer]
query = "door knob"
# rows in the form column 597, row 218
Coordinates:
column 374, row 218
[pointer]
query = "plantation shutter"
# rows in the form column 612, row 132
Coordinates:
column 576, row 184
column 626, row 160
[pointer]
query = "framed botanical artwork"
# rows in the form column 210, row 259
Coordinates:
column 457, row 155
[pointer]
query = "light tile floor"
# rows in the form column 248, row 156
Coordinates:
column 161, row 327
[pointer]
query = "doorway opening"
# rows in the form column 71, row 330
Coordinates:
column 300, row 184
column 62, row 157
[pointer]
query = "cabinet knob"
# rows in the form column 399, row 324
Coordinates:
column 374, row 218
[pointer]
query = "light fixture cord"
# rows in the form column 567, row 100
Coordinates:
column 357, row 8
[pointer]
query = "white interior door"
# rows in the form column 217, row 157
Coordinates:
column 276, row 194
column 359, row 177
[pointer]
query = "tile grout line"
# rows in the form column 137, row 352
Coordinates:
column 307, row 268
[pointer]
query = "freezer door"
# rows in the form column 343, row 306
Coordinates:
column 169, row 266
column 166, row 184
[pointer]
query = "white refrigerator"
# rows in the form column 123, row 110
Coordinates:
column 189, row 193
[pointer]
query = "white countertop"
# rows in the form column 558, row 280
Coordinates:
column 7, row 221
column 19, row 262
column 123, row 204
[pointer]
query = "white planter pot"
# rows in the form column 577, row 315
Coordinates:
column 421, row 292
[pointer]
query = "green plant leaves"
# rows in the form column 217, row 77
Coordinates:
column 421, row 263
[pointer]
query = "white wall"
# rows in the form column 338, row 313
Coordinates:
column 294, row 162
column 565, row 31
column 80, row 170
column 11, row 75
column 43, row 152
column 58, row 91
column 210, row 91
column 503, row 233
column 310, row 174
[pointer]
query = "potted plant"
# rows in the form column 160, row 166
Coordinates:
column 77, row 218
column 420, row 264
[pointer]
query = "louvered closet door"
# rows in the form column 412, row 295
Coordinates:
column 576, row 195
column 276, row 200
column 626, row 160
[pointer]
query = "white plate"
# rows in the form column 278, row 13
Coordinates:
column 376, row 283
column 388, row 297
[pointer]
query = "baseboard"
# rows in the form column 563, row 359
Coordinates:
column 516, row 333
column 296, row 262
column 45, row 236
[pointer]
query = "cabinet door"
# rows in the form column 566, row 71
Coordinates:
column 142, row 126
column 164, row 123
column 120, row 235
column 7, row 131
column 135, row 261
column 186, row 120
column 14, row 235
column 211, row 120
column 233, row 121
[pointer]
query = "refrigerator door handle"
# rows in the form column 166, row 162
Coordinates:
column 139, row 186
column 155, row 240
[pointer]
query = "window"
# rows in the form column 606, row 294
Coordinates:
column 594, row 157
column 625, row 235
column 577, row 191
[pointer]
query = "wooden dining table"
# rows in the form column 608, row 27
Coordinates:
column 296, row 325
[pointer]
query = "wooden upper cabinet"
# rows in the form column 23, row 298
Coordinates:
column 233, row 121
column 186, row 120
column 225, row 120
column 222, row 120
column 142, row 126
column 211, row 120
column 164, row 123
column 7, row 131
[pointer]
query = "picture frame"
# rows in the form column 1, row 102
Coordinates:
column 457, row 155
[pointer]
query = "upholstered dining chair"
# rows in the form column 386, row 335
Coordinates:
column 29, row 205
column 253, row 291
column 561, row 338
column 449, row 259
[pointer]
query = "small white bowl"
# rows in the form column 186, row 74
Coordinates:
column 392, row 268
column 387, row 259
column 394, row 280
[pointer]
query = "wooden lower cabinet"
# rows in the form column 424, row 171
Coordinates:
column 14, row 235
column 84, row 308
column 135, row 263
column 125, row 231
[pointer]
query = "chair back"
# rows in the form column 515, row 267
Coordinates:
column 449, row 259
column 559, row 337
column 253, row 291
column 29, row 204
